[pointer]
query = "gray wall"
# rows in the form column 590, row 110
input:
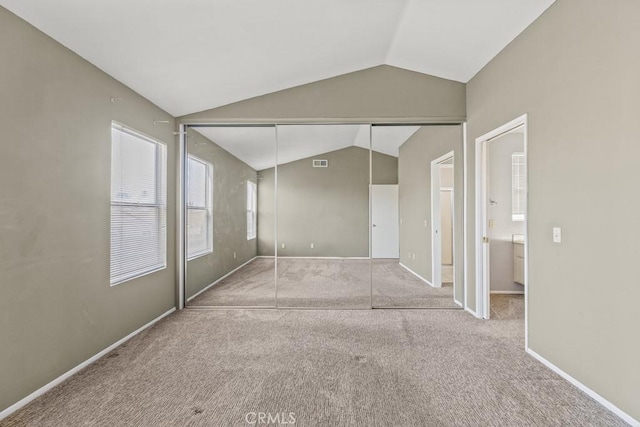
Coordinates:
column 414, row 172
column 230, row 176
column 325, row 206
column 575, row 72
column 501, row 246
column 376, row 94
column 57, row 308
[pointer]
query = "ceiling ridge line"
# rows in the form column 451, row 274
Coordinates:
column 394, row 39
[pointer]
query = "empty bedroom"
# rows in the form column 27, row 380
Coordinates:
column 223, row 213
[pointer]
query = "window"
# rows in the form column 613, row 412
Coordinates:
column 138, row 206
column 518, row 187
column 199, row 207
column 252, row 210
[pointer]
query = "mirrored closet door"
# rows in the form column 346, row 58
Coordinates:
column 230, row 216
column 416, row 216
column 323, row 216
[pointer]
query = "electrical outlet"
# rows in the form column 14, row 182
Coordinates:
column 400, row 221
column 413, row 256
column 557, row 235
column 313, row 246
column 425, row 223
column 234, row 255
column 492, row 223
column 284, row 245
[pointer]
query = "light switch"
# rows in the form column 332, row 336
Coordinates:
column 557, row 235
column 284, row 245
column 492, row 223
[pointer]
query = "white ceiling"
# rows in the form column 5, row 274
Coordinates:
column 256, row 145
column 192, row 55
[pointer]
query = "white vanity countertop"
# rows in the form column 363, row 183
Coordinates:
column 518, row 239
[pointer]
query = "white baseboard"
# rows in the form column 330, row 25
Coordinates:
column 595, row 396
column 507, row 292
column 42, row 390
column 266, row 256
column 416, row 274
column 206, row 288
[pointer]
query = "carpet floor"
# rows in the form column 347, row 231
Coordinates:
column 327, row 368
column 343, row 283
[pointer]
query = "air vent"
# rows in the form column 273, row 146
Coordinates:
column 320, row 163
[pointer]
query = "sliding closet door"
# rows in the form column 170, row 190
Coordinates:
column 412, row 168
column 230, row 221
column 323, row 216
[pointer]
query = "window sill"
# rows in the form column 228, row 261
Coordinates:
column 198, row 255
column 137, row 275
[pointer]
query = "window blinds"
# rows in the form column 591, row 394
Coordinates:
column 518, row 187
column 138, row 206
column 199, row 207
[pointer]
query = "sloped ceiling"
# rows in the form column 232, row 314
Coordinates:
column 256, row 146
column 192, row 55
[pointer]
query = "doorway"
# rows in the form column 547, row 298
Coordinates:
column 442, row 224
column 501, row 219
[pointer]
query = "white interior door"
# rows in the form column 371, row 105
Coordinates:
column 385, row 232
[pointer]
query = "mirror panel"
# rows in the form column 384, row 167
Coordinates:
column 416, row 211
column 323, row 216
column 229, row 217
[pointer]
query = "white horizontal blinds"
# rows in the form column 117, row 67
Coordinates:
column 138, row 205
column 518, row 186
column 252, row 210
column 199, row 207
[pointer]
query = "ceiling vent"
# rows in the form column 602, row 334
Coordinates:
column 320, row 163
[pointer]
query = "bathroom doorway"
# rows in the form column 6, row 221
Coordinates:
column 501, row 219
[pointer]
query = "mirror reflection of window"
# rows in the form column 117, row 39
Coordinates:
column 252, row 210
column 199, row 207
column 518, row 186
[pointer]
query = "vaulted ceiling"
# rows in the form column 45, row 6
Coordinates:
column 256, row 146
column 192, row 55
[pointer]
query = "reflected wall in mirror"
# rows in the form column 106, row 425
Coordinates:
column 224, row 217
column 323, row 216
column 417, row 241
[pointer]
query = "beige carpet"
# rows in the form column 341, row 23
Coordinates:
column 322, row 283
column 330, row 368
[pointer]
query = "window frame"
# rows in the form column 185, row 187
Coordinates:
column 208, row 207
column 160, row 204
column 252, row 209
